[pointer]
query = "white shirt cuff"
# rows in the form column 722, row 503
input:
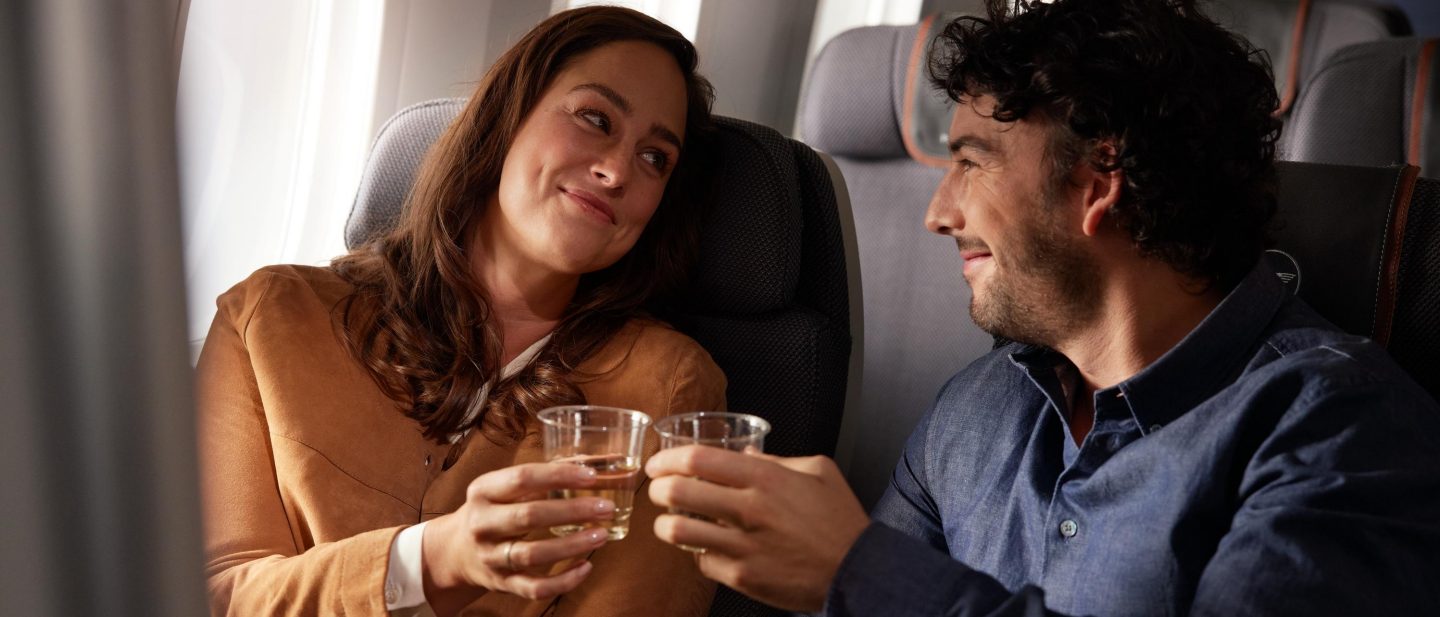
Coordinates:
column 404, row 582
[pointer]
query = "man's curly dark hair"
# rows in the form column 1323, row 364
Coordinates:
column 1186, row 105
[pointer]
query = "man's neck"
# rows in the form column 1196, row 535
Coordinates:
column 1145, row 309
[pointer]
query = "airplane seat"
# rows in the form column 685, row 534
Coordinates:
column 770, row 297
column 868, row 103
column 1385, row 284
column 1371, row 104
column 1299, row 35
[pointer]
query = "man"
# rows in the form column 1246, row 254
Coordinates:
column 1170, row 433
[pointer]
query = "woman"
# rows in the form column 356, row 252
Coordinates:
column 341, row 406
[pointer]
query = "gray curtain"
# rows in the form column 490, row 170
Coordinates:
column 98, row 506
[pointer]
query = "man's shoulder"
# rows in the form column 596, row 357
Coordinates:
column 1306, row 371
column 1300, row 345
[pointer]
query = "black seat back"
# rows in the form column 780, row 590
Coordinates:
column 1362, row 246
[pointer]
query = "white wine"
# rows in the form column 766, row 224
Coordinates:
column 616, row 477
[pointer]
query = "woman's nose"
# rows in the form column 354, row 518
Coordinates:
column 610, row 167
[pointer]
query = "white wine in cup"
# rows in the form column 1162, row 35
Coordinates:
column 717, row 429
column 606, row 439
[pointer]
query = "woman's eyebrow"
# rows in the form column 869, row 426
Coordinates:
column 623, row 105
column 608, row 93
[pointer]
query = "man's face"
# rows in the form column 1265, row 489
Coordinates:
column 1018, row 230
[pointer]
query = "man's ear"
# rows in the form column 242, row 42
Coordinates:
column 1102, row 188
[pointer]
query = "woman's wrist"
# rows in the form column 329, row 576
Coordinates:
column 446, row 590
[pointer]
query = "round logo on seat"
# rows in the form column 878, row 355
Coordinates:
column 1286, row 267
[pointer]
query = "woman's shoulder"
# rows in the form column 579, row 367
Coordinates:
column 649, row 359
column 645, row 338
column 290, row 280
column 287, row 289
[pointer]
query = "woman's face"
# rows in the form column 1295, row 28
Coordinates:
column 590, row 162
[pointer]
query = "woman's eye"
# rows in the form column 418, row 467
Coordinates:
column 600, row 120
column 658, row 160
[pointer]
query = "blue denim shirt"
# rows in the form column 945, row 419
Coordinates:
column 1267, row 464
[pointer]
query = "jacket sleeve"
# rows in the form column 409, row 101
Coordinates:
column 641, row 575
column 254, row 564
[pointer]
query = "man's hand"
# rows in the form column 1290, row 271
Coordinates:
column 784, row 524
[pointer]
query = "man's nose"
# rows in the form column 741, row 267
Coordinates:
column 943, row 215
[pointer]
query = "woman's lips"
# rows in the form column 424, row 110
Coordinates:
column 591, row 204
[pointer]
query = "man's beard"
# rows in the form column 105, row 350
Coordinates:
column 1050, row 287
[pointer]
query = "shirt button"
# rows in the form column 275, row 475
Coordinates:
column 1068, row 528
column 1154, row 427
column 392, row 594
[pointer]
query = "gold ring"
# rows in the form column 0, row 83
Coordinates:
column 509, row 565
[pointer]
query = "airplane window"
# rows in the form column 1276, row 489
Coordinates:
column 275, row 114
column 682, row 15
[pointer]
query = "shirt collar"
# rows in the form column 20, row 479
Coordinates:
column 510, row 368
column 1200, row 364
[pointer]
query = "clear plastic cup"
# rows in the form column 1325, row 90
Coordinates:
column 606, row 439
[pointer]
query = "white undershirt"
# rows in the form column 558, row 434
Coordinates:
column 404, row 582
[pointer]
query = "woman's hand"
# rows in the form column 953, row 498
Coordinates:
column 480, row 547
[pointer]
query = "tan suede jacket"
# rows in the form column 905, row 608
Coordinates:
column 309, row 470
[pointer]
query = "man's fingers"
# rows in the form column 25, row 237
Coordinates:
column 817, row 466
column 541, row 554
column 517, row 519
column 714, row 464
column 514, row 483
column 700, row 533
column 699, row 496
column 541, row 587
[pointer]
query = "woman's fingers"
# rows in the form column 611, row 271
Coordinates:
column 541, row 587
column 539, row 555
column 517, row 519
column 515, row 483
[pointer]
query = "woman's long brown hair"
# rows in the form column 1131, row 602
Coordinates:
column 421, row 324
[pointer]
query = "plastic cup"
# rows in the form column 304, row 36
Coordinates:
column 717, row 429
column 606, row 439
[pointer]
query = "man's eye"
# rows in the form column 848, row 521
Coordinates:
column 965, row 163
column 599, row 119
column 658, row 160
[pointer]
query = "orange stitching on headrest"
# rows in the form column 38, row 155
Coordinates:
column 1297, row 48
column 1389, row 284
column 1417, row 102
column 917, row 57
